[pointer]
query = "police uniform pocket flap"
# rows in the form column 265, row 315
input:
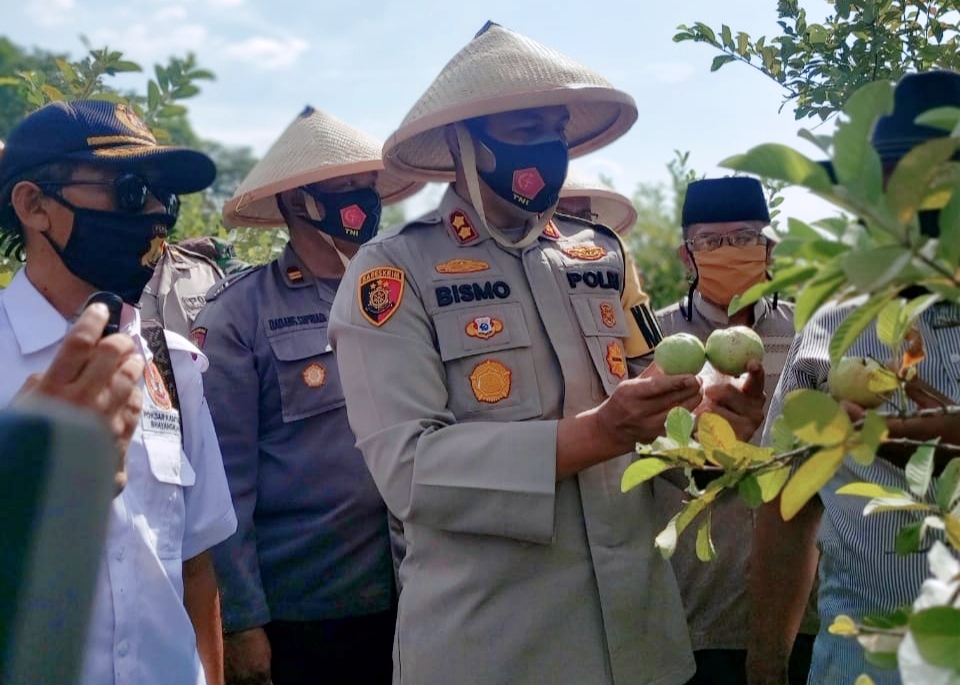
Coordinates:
column 480, row 329
column 600, row 315
column 301, row 344
column 167, row 462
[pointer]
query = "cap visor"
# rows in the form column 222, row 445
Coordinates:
column 174, row 169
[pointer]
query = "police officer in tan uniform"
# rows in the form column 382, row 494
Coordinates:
column 484, row 355
column 177, row 291
column 308, row 581
column 726, row 252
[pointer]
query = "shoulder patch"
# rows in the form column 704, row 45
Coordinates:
column 379, row 293
column 225, row 283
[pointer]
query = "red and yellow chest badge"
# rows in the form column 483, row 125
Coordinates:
column 156, row 388
column 551, row 231
column 461, row 266
column 490, row 381
column 616, row 362
column 484, row 327
column 587, row 252
column 607, row 315
column 314, row 375
column 463, row 230
column 380, row 291
column 294, row 275
column 198, row 336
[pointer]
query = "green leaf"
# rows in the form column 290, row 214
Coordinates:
column 883, row 504
column 187, row 90
column 750, row 492
column 911, row 179
column 10, row 81
column 781, row 280
column 772, row 482
column 812, row 475
column 162, row 79
column 153, row 95
column 679, row 425
column 856, row 323
column 641, row 471
column 872, row 269
column 705, row 548
column 888, row 323
column 948, row 244
column 864, row 679
column 937, row 633
column 716, row 436
column 726, row 36
column 815, row 293
column 908, row 539
column 125, row 66
column 202, row 74
column 855, row 161
column 920, row 468
column 720, row 60
column 782, row 438
column 66, row 69
column 873, row 432
column 816, row 418
column 844, row 626
column 948, row 486
column 666, row 540
column 946, row 118
column 873, row 490
column 783, row 163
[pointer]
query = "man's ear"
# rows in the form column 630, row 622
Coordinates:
column 684, row 253
column 30, row 205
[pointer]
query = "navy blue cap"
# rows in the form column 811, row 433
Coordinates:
column 896, row 134
column 103, row 133
column 719, row 200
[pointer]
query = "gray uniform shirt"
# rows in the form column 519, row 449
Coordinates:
column 715, row 593
column 312, row 541
column 457, row 358
column 177, row 291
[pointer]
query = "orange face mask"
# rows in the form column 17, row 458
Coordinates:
column 729, row 271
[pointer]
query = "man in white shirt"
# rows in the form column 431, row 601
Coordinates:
column 89, row 196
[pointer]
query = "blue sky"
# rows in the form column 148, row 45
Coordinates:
column 368, row 62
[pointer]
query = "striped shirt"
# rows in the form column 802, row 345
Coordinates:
column 859, row 572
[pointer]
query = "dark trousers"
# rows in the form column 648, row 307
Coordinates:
column 729, row 666
column 357, row 650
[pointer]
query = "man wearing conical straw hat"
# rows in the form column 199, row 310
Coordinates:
column 484, row 351
column 308, row 584
column 589, row 198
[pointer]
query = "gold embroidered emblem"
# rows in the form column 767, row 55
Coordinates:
column 551, row 231
column 615, row 360
column 586, row 252
column 608, row 315
column 315, row 375
column 156, row 387
column 132, row 121
column 490, row 381
column 461, row 266
column 380, row 291
column 294, row 275
column 484, row 327
column 462, row 228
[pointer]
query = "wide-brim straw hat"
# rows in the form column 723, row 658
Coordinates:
column 502, row 71
column 315, row 147
column 612, row 208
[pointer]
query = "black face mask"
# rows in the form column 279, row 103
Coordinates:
column 528, row 176
column 114, row 251
column 352, row 215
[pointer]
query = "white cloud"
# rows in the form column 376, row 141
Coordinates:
column 49, row 12
column 225, row 3
column 267, row 53
column 144, row 43
column 171, row 13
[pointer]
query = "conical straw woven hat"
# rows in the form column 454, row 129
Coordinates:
column 315, row 147
column 612, row 208
column 502, row 71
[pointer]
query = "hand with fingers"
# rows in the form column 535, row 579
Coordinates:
column 97, row 374
column 740, row 402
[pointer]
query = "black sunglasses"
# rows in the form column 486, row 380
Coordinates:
column 130, row 192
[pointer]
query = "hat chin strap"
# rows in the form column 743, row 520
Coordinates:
column 468, row 156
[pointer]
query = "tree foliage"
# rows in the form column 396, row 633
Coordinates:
column 820, row 64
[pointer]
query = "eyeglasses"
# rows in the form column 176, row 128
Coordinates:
column 707, row 242
column 129, row 191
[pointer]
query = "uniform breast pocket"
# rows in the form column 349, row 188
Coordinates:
column 172, row 474
column 307, row 373
column 604, row 328
column 489, row 363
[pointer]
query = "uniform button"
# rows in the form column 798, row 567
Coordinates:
column 123, row 648
column 120, row 553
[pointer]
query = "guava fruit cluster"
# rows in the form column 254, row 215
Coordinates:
column 729, row 350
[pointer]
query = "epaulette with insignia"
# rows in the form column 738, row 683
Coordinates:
column 225, row 283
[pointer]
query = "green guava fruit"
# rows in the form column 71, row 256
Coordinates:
column 730, row 349
column 850, row 380
column 680, row 353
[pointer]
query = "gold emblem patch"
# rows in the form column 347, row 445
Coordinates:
column 490, row 381
column 615, row 360
column 315, row 375
column 132, row 121
column 462, row 228
column 156, row 387
column 484, row 327
column 379, row 293
column 608, row 315
column 551, row 231
column 461, row 266
column 587, row 252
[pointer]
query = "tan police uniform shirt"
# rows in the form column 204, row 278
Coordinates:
column 177, row 291
column 457, row 358
column 715, row 593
